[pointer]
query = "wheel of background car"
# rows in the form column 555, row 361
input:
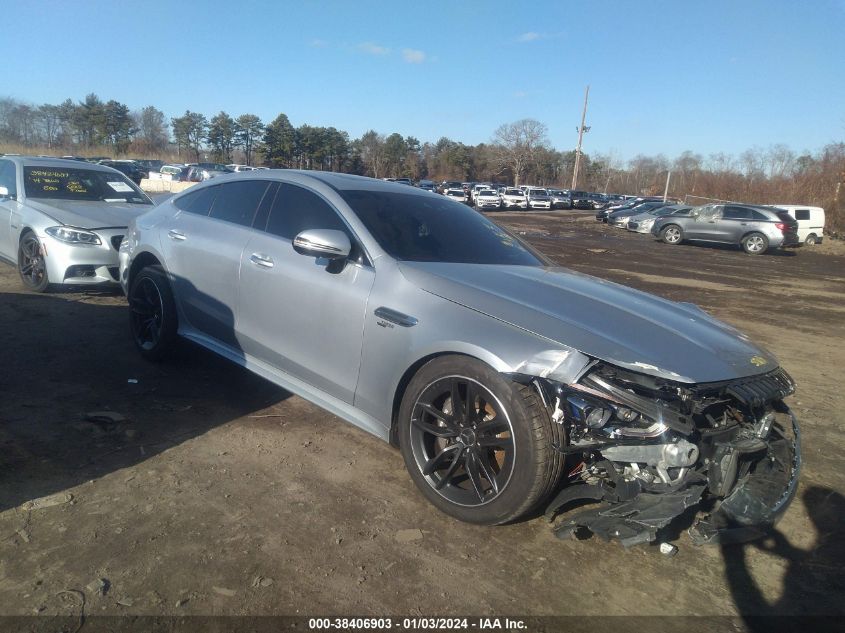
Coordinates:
column 755, row 243
column 31, row 265
column 811, row 240
column 477, row 445
column 672, row 234
column 152, row 313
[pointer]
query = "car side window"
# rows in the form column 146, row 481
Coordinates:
column 7, row 177
column 238, row 201
column 296, row 209
column 198, row 202
column 756, row 215
column 736, row 213
column 800, row 214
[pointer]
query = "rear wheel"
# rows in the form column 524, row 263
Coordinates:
column 811, row 240
column 31, row 265
column 755, row 243
column 477, row 445
column 152, row 315
column 672, row 234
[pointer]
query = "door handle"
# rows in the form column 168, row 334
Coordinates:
column 259, row 259
column 176, row 235
column 743, row 223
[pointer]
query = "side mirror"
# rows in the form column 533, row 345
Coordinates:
column 327, row 243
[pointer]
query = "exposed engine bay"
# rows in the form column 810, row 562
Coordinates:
column 647, row 450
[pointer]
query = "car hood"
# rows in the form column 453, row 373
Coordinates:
column 90, row 214
column 602, row 319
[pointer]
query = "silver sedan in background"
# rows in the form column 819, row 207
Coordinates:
column 62, row 221
column 423, row 322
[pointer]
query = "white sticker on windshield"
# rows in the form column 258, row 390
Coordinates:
column 121, row 187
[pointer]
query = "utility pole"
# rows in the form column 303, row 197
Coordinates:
column 583, row 128
column 666, row 190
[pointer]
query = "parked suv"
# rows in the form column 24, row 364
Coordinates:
column 756, row 229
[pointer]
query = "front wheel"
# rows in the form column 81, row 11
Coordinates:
column 152, row 313
column 477, row 445
column 755, row 244
column 672, row 234
column 31, row 265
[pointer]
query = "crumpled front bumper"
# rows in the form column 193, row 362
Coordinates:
column 755, row 502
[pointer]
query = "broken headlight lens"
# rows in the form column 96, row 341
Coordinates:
column 69, row 235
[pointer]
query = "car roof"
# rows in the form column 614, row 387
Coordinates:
column 34, row 161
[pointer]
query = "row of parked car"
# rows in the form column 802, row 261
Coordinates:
column 756, row 228
column 137, row 169
column 492, row 196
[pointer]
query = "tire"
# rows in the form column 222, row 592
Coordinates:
column 152, row 313
column 811, row 240
column 31, row 265
column 492, row 463
column 672, row 234
column 755, row 243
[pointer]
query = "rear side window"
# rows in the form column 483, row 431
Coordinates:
column 237, row 202
column 736, row 213
column 7, row 176
column 802, row 214
column 757, row 215
column 296, row 209
column 198, row 201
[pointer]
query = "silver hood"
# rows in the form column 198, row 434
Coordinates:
column 602, row 319
column 90, row 214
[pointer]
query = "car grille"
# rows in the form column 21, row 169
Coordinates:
column 115, row 241
column 759, row 390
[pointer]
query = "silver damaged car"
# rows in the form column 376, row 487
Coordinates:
column 62, row 221
column 507, row 382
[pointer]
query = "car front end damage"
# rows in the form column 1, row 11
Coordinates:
column 644, row 450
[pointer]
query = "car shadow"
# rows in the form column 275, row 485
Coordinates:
column 733, row 248
column 78, row 402
column 813, row 583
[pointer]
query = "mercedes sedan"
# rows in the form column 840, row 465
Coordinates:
column 62, row 221
column 502, row 378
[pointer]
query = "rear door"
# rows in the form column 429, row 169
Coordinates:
column 734, row 224
column 304, row 315
column 203, row 244
column 8, row 206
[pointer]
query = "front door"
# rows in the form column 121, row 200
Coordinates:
column 301, row 314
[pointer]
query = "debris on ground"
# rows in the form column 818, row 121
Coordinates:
column 99, row 587
column 261, row 581
column 57, row 499
column 104, row 417
column 407, row 536
column 223, row 591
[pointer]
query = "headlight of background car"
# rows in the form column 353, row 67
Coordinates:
column 73, row 236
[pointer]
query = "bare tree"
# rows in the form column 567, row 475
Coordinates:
column 516, row 145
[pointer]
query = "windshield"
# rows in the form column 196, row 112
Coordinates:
column 62, row 183
column 430, row 229
column 513, row 192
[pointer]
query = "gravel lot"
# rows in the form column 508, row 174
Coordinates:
column 215, row 492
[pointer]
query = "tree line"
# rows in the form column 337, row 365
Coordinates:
column 518, row 152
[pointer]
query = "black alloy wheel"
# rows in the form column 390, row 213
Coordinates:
column 462, row 441
column 152, row 313
column 31, row 265
column 479, row 446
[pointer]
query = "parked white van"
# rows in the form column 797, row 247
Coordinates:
column 810, row 222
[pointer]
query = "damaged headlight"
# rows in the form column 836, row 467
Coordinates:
column 612, row 419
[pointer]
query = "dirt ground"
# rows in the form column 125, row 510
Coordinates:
column 219, row 493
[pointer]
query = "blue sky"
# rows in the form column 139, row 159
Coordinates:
column 716, row 76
